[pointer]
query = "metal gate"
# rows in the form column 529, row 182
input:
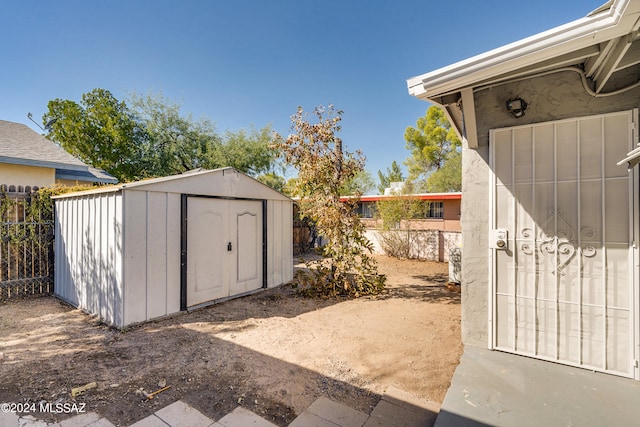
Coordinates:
column 26, row 246
column 563, row 285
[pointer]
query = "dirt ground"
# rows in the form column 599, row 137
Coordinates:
column 273, row 352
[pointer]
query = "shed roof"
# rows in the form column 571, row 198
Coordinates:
column 596, row 46
column 20, row 145
column 196, row 182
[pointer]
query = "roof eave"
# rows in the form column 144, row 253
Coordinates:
column 421, row 196
column 41, row 163
column 106, row 189
column 88, row 176
column 581, row 33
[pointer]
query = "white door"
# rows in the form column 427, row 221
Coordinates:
column 224, row 248
column 246, row 235
column 564, row 286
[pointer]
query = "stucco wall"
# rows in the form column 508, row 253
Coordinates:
column 553, row 97
column 430, row 245
column 26, row 175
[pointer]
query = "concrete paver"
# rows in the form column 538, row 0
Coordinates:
column 184, row 415
column 8, row 419
column 337, row 413
column 389, row 414
column 307, row 419
column 30, row 421
column 80, row 420
column 102, row 422
column 241, row 417
column 400, row 409
column 150, row 421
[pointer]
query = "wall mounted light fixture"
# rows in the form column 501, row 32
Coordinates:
column 516, row 107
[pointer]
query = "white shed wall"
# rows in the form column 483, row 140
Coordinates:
column 151, row 255
column 88, row 254
column 279, row 242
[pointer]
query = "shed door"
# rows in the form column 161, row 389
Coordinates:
column 564, row 288
column 224, row 248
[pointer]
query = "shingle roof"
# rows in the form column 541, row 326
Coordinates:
column 20, row 145
column 89, row 174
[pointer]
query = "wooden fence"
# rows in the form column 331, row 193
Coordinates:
column 303, row 237
column 26, row 248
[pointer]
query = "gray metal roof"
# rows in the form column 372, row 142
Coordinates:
column 20, row 145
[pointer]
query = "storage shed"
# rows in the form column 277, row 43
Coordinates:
column 143, row 250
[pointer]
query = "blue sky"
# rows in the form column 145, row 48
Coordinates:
column 252, row 62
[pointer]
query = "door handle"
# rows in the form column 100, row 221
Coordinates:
column 229, row 247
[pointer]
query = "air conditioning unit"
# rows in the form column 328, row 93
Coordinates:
column 455, row 265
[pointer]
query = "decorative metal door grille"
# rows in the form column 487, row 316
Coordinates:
column 563, row 290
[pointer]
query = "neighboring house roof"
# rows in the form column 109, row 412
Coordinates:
column 421, row 196
column 20, row 145
column 88, row 174
column 597, row 46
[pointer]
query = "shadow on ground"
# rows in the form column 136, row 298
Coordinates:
column 433, row 293
column 48, row 348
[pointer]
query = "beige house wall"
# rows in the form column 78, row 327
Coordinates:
column 27, row 175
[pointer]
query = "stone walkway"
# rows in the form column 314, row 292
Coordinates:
column 396, row 408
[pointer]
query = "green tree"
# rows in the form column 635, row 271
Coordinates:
column 449, row 177
column 247, row 151
column 177, row 143
column 100, row 131
column 273, row 180
column 397, row 238
column 152, row 137
column 360, row 184
column 433, row 143
column 290, row 187
column 393, row 174
column 316, row 151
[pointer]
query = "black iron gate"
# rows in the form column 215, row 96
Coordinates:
column 26, row 248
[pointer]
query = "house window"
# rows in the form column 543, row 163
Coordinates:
column 436, row 210
column 367, row 209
